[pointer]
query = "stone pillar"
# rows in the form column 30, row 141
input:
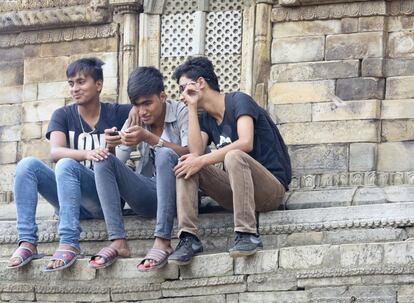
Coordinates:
column 246, row 79
column 128, row 11
column 261, row 56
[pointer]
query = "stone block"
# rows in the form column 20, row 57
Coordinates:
column 274, row 297
column 387, row 153
column 204, row 286
column 330, row 132
column 110, row 88
column 110, row 68
column 397, row 109
column 11, row 94
column 10, row 133
column 403, row 193
column 318, row 158
column 8, row 152
column 345, row 236
column 281, row 280
column 360, row 88
column 349, row 25
column 405, row 293
column 399, row 67
column 17, row 292
column 373, row 67
column 329, row 282
column 397, row 130
column 304, row 238
column 308, row 257
column 298, row 49
column 285, row 113
column 401, row 45
column 30, row 92
column 200, row 299
column 135, row 291
column 208, row 266
column 262, row 262
column 306, row 28
column 31, row 50
column 361, row 255
column 400, row 23
column 400, row 88
column 322, row 198
column 314, row 71
column 6, row 176
column 372, row 24
column 363, row 156
column 301, row 92
column 354, row 46
column 11, row 73
column 11, row 54
column 40, row 110
column 36, row 148
column 399, row 253
column 369, row 195
column 72, row 293
column 53, row 69
column 79, row 47
column 232, row 298
column 369, row 293
column 10, row 114
column 53, row 90
column 352, row 110
column 31, row 131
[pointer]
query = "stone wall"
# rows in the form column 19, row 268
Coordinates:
column 361, row 52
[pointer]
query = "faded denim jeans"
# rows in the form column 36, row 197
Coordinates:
column 70, row 189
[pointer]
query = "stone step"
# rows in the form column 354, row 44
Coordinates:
column 369, row 272
column 335, row 225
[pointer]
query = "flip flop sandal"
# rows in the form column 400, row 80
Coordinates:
column 68, row 257
column 160, row 257
column 25, row 255
column 108, row 254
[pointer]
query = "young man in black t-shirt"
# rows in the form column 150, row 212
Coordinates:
column 257, row 168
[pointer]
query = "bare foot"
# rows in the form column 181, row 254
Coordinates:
column 16, row 260
column 59, row 263
column 162, row 244
column 121, row 246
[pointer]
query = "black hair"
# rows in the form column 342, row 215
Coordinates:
column 195, row 68
column 87, row 66
column 144, row 82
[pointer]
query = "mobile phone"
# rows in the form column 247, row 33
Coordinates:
column 115, row 133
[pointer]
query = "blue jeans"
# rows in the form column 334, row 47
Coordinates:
column 148, row 197
column 70, row 189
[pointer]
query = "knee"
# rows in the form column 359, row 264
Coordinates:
column 165, row 156
column 27, row 164
column 103, row 164
column 65, row 165
column 232, row 158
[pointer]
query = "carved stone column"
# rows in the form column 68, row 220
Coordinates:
column 128, row 12
column 261, row 58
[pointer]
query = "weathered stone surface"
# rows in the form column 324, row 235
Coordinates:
column 397, row 130
column 306, row 28
column 364, row 235
column 354, row 46
column 314, row 71
column 307, row 257
column 360, row 88
column 400, row 23
column 110, row 88
column 330, row 132
column 401, row 44
column 72, row 293
column 11, row 54
column 291, row 112
column 304, row 238
column 349, row 25
column 352, row 110
column 204, row 286
column 329, row 282
column 357, row 293
column 405, row 293
column 40, row 110
column 282, row 280
column 399, row 193
column 371, row 24
column 399, row 67
column 274, row 297
column 301, row 92
column 298, row 49
column 10, row 114
column 318, row 158
column 52, row 69
column 78, row 47
column 261, row 262
column 30, row 92
column 11, row 94
column 8, row 152
column 53, row 90
column 31, row 131
column 373, row 67
column 110, row 68
column 325, row 198
column 369, row 195
column 11, row 73
column 199, row 299
column 397, row 109
column 363, row 156
column 133, row 290
column 232, row 298
column 358, row 255
column 10, row 133
column 6, row 176
column 36, row 148
column 399, row 253
column 208, row 266
column 387, row 153
column 400, row 88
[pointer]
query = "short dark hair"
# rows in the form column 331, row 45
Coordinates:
column 145, row 81
column 87, row 66
column 197, row 67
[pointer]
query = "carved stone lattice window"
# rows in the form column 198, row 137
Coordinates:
column 180, row 39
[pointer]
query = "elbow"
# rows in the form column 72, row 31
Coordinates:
column 54, row 155
column 246, row 146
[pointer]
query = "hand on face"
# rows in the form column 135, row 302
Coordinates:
column 189, row 165
column 133, row 135
column 190, row 93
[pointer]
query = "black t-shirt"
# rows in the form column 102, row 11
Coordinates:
column 268, row 146
column 67, row 120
